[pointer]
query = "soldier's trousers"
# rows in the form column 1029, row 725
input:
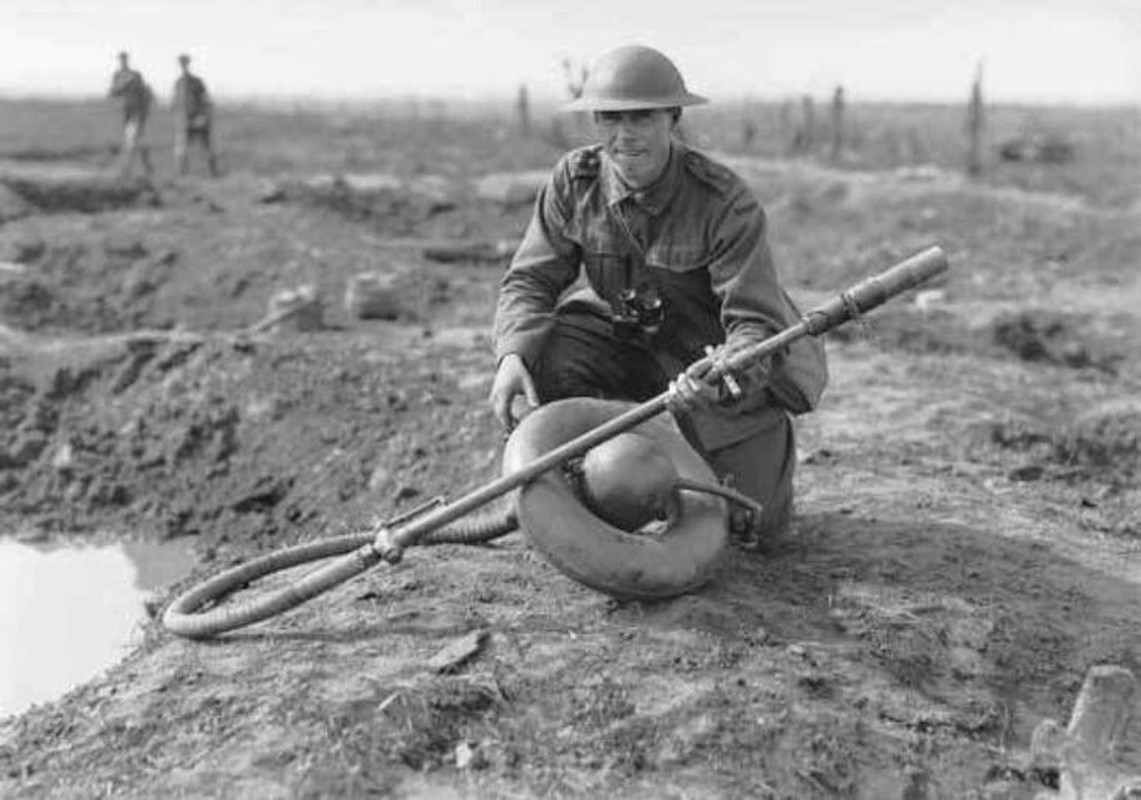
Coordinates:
column 583, row 358
column 133, row 147
column 184, row 136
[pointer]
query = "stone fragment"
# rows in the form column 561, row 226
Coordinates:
column 457, row 652
column 299, row 309
column 1084, row 753
column 373, row 295
column 510, row 188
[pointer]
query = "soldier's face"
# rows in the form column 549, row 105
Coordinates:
column 637, row 142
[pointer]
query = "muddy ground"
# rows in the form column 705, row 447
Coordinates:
column 967, row 542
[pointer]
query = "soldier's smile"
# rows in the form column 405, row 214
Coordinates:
column 627, row 154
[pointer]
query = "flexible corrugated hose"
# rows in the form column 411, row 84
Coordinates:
column 186, row 617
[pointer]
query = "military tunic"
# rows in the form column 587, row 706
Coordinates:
column 128, row 85
column 191, row 102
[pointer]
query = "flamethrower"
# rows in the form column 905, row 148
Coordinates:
column 620, row 562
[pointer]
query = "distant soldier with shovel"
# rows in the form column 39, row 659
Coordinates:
column 193, row 118
column 135, row 97
column 677, row 266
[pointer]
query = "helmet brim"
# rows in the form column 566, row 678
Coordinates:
column 633, row 103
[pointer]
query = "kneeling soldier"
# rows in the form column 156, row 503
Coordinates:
column 677, row 265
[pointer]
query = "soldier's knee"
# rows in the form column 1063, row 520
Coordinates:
column 559, row 380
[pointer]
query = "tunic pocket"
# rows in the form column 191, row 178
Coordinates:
column 673, row 257
column 692, row 312
column 688, row 284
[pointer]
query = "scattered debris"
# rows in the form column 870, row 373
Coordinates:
column 928, row 299
column 456, row 653
column 477, row 252
column 469, row 756
column 271, row 192
column 1037, row 148
column 362, row 182
column 510, row 188
column 443, row 193
column 301, row 308
column 64, row 458
column 373, row 295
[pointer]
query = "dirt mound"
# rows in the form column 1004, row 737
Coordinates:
column 393, row 206
column 1052, row 338
column 1101, row 443
column 52, row 187
column 94, row 287
column 1107, row 437
column 195, row 423
column 12, row 205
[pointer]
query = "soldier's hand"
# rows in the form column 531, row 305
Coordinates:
column 689, row 392
column 705, row 384
column 512, row 379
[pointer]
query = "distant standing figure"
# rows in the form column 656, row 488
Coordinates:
column 193, row 116
column 135, row 96
column 523, row 111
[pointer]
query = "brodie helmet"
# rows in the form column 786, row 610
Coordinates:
column 631, row 78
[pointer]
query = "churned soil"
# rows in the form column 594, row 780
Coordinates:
column 967, row 542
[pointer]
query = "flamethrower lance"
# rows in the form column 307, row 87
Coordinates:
column 189, row 616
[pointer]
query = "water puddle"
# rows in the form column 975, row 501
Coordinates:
column 68, row 611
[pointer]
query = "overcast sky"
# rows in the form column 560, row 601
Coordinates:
column 1086, row 51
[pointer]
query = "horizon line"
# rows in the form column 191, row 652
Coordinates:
column 544, row 100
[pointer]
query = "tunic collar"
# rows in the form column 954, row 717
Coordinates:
column 655, row 197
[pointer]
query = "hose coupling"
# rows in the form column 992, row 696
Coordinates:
column 386, row 547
